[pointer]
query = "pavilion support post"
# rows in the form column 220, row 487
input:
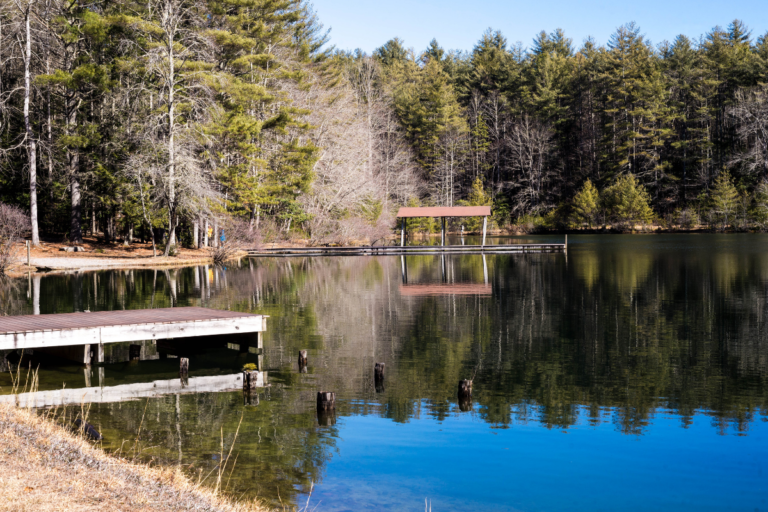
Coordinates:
column 485, row 225
column 402, row 233
column 442, row 232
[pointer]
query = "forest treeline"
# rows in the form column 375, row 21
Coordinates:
column 117, row 116
column 562, row 136
column 120, row 115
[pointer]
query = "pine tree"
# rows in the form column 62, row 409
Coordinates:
column 627, row 202
column 586, row 204
column 723, row 201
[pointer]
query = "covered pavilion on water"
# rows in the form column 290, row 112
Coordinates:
column 409, row 212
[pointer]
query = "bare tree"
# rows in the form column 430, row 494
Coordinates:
column 176, row 54
column 529, row 143
column 18, row 34
column 239, row 236
column 453, row 146
column 750, row 115
column 13, row 224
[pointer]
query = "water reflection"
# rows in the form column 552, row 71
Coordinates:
column 623, row 330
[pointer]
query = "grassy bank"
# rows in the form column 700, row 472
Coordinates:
column 45, row 467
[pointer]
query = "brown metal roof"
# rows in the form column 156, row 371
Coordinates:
column 27, row 323
column 444, row 211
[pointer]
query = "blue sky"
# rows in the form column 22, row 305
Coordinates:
column 459, row 24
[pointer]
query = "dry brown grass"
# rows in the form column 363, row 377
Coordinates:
column 44, row 467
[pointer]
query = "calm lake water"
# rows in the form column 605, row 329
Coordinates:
column 629, row 374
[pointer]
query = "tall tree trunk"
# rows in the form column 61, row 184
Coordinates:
column 31, row 143
column 75, row 231
column 173, row 218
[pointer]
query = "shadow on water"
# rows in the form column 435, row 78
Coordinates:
column 621, row 331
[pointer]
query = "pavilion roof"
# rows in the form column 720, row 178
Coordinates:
column 444, row 211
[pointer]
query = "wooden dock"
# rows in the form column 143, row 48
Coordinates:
column 396, row 250
column 94, row 330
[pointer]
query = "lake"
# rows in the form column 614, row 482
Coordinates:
column 627, row 374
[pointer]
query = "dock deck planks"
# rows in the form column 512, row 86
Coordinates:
column 66, row 329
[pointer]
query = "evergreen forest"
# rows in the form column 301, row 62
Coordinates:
column 154, row 119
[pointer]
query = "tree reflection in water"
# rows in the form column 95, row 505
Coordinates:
column 619, row 328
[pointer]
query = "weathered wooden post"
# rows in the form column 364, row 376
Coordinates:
column 183, row 367
column 465, row 395
column 28, row 250
column 326, row 401
column 303, row 361
column 465, row 388
column 134, row 352
column 326, row 408
column 378, row 377
column 250, row 379
column 402, row 233
column 485, row 225
column 250, row 399
column 250, row 382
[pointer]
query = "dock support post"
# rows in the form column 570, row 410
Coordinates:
column 442, row 231
column 566, row 242
column 250, row 379
column 402, row 233
column 303, row 361
column 326, row 408
column 183, row 367
column 28, row 250
column 378, row 377
column 465, row 395
column 485, row 225
column 134, row 352
column 326, row 401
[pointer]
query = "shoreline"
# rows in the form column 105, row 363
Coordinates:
column 49, row 257
column 46, row 467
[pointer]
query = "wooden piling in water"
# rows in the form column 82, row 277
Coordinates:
column 303, row 360
column 465, row 395
column 378, row 377
column 326, row 401
column 465, row 389
column 250, row 398
column 183, row 367
column 134, row 352
column 250, row 379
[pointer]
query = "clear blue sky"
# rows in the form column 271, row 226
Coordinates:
column 459, row 24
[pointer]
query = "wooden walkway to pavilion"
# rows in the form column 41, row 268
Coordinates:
column 396, row 250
